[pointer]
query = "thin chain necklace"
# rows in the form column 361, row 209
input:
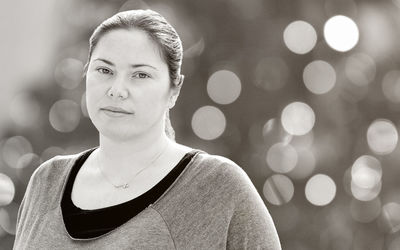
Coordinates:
column 126, row 184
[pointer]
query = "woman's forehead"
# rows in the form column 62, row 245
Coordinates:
column 132, row 46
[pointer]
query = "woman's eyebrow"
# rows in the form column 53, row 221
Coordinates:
column 132, row 65
column 105, row 61
column 143, row 65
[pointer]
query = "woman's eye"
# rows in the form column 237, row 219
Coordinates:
column 104, row 71
column 141, row 75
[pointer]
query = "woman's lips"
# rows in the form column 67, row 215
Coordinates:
column 116, row 110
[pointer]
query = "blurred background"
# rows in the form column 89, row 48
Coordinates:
column 304, row 95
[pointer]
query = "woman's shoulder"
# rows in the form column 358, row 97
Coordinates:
column 221, row 168
column 56, row 166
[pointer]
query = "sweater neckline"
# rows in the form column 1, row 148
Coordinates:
column 67, row 175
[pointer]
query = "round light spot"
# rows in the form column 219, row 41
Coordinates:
column 319, row 77
column 278, row 189
column 26, row 166
column 208, row 122
column 360, row 69
column 391, row 216
column 305, row 164
column 64, row 116
column 365, row 211
column 7, row 190
column 341, row 33
column 382, row 136
column 24, row 110
column 223, row 87
column 391, row 86
column 366, row 171
column 365, row 194
column 320, row 190
column 271, row 73
column 8, row 217
column 68, row 73
column 14, row 148
column 300, row 37
column 298, row 118
column 281, row 157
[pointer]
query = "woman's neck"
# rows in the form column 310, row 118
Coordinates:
column 122, row 159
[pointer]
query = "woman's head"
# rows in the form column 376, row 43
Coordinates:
column 134, row 64
column 156, row 27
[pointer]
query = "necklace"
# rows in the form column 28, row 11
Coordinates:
column 126, row 184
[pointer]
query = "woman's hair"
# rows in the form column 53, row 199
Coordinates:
column 160, row 31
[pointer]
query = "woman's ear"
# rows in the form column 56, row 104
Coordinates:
column 175, row 92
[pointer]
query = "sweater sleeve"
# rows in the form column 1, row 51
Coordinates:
column 251, row 226
column 25, row 206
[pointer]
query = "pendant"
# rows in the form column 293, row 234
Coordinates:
column 124, row 186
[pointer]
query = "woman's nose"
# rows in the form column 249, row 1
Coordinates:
column 118, row 90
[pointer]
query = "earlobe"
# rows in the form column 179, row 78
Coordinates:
column 171, row 102
column 181, row 80
column 176, row 91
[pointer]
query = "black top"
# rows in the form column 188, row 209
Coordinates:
column 85, row 224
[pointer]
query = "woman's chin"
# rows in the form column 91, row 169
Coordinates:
column 118, row 133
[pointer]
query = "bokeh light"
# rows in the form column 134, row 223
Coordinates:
column 24, row 110
column 320, row 190
column 341, row 33
column 360, row 69
column 224, row 87
column 208, row 122
column 366, row 172
column 365, row 211
column 14, row 148
column 281, row 157
column 271, row 73
column 300, row 37
column 382, row 136
column 8, row 217
column 64, row 115
column 391, row 216
column 298, row 118
column 278, row 189
column 26, row 165
column 319, row 77
column 7, row 190
column 365, row 194
column 68, row 73
column 391, row 86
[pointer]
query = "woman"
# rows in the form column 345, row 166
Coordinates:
column 139, row 189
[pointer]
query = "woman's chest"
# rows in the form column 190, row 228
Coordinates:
column 47, row 231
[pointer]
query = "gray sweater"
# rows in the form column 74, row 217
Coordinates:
column 211, row 205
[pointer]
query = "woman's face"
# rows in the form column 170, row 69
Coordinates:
column 127, row 85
